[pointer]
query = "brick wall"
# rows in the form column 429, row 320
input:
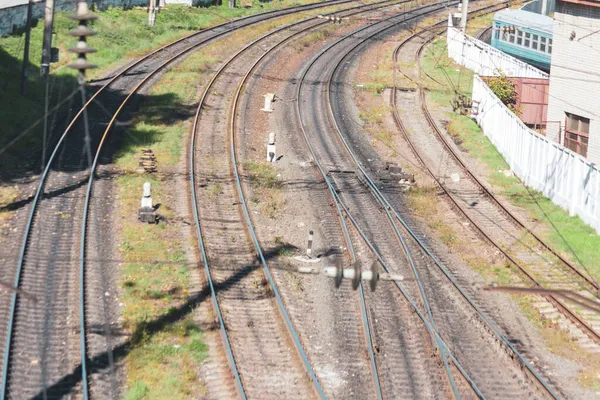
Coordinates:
column 575, row 73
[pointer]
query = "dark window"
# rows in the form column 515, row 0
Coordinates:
column 527, row 35
column 534, row 45
column 535, row 37
column 549, row 49
column 542, row 47
column 543, row 40
column 511, row 38
column 526, row 43
column 577, row 133
column 520, row 38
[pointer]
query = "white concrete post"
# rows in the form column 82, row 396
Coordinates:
column 147, row 196
column 310, row 244
column 269, row 99
column 271, row 151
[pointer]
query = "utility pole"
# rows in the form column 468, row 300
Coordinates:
column 544, row 10
column 25, row 68
column 47, row 48
column 463, row 18
column 151, row 13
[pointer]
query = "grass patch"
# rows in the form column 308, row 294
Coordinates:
column 161, row 362
column 424, row 202
column 571, row 232
column 314, row 37
column 115, row 28
column 266, row 187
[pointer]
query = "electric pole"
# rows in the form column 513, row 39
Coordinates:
column 463, row 18
column 25, row 68
column 151, row 13
column 47, row 47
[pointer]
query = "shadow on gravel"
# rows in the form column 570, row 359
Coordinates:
column 68, row 383
column 21, row 142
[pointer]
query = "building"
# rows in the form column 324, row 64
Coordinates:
column 574, row 99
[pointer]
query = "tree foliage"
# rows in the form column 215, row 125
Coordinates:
column 506, row 90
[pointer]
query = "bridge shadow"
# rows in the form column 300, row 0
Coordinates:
column 65, row 386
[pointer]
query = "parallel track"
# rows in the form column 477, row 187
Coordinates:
column 228, row 190
column 388, row 207
column 458, row 203
column 57, row 381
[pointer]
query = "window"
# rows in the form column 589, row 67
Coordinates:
column 505, row 36
column 577, row 131
column 511, row 38
column 542, row 47
column 550, row 46
column 534, row 42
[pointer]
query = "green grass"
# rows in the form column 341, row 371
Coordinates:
column 122, row 36
column 571, row 236
column 266, row 187
column 161, row 361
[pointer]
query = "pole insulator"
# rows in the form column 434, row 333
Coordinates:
column 82, row 15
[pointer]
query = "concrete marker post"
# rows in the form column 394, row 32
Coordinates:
column 269, row 99
column 271, row 150
column 310, row 243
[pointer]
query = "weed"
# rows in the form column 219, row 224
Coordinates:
column 214, row 191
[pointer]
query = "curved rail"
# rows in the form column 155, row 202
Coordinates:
column 572, row 316
column 431, row 325
column 61, row 140
column 280, row 303
column 346, row 233
column 563, row 309
column 571, row 268
column 390, row 208
column 483, row 32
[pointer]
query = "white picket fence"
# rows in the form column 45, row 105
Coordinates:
column 560, row 174
column 484, row 59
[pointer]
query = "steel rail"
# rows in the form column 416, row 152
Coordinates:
column 280, row 303
column 61, row 140
column 589, row 281
column 403, row 130
column 376, row 193
column 441, row 347
column 100, row 147
column 389, row 207
column 344, row 226
column 563, row 309
column 483, row 32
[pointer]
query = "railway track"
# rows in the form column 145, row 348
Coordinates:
column 494, row 222
column 38, row 335
column 485, row 375
column 224, row 173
